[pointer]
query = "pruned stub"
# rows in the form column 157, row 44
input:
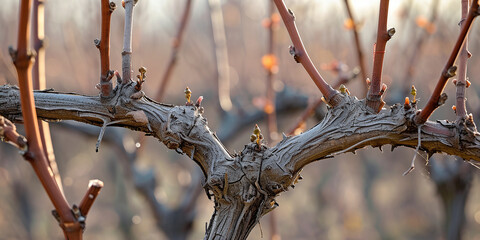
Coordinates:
column 276, row 179
column 225, row 180
column 180, row 122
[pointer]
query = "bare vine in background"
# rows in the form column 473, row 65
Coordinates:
column 269, row 61
column 221, row 55
column 39, row 82
column 176, row 42
column 427, row 29
column 358, row 46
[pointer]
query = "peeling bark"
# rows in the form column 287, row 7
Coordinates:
column 244, row 185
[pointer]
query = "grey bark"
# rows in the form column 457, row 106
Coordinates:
column 244, row 185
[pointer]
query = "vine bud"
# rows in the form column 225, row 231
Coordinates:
column 188, row 94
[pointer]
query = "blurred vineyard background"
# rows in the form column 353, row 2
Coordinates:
column 362, row 196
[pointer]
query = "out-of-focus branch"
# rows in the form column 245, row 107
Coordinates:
column 449, row 70
column 176, row 222
column 461, row 82
column 38, row 37
column 127, row 42
column 426, row 31
column 453, row 179
column 176, row 42
column 358, row 47
column 39, row 82
column 270, row 64
column 106, row 86
column 221, row 54
column 406, row 11
column 376, row 90
column 7, row 69
column 300, row 54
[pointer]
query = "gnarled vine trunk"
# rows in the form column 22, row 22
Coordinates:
column 244, row 185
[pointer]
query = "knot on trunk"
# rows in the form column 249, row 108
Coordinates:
column 180, row 123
